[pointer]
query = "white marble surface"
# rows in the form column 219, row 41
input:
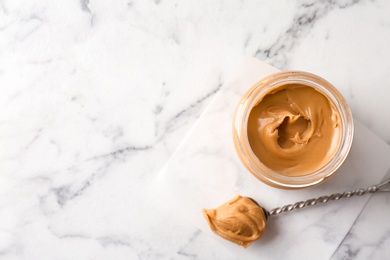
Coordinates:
column 97, row 95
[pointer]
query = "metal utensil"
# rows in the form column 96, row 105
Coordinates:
column 383, row 187
column 242, row 220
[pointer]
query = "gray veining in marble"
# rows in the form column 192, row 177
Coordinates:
column 97, row 95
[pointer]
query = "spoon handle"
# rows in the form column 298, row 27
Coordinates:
column 383, row 186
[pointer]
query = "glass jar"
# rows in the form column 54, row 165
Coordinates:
column 268, row 85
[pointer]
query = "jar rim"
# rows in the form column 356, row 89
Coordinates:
column 254, row 95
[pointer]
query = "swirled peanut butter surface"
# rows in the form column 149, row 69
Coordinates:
column 240, row 221
column 294, row 130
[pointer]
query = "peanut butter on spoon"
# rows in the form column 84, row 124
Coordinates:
column 242, row 221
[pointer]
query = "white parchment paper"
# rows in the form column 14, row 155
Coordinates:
column 205, row 172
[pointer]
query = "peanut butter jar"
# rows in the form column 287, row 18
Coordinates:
column 292, row 130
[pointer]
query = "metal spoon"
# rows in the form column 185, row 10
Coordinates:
column 242, row 220
column 383, row 187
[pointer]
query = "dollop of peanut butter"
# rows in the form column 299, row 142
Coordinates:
column 240, row 220
column 294, row 130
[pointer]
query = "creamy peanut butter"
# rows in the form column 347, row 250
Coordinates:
column 294, row 130
column 240, row 221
